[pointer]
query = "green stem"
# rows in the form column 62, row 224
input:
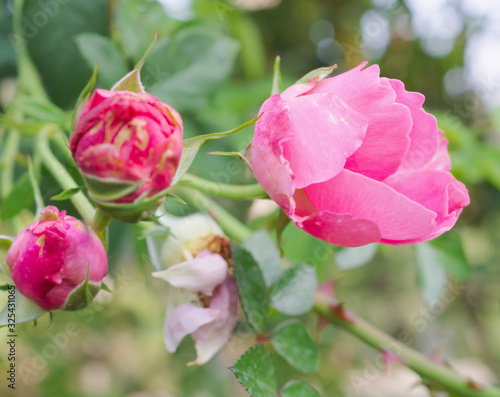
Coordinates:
column 8, row 160
column 56, row 169
column 235, row 192
column 231, row 226
column 100, row 221
column 419, row 363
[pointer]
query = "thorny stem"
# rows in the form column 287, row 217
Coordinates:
column 422, row 365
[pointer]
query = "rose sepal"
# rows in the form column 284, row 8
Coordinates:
column 141, row 209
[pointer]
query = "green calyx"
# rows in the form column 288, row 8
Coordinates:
column 82, row 295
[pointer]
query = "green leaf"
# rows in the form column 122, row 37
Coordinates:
column 276, row 88
column 106, row 288
column 316, row 75
column 44, row 111
column 243, row 156
column 185, row 70
column 191, row 146
column 295, row 290
column 84, row 97
column 293, row 343
column 97, row 49
column 155, row 231
column 452, row 256
column 20, row 197
column 25, row 310
column 7, row 42
column 251, row 286
column 281, row 224
column 431, row 276
column 66, row 194
column 266, row 254
column 52, row 43
column 255, row 372
column 6, row 242
column 174, row 198
column 134, row 23
column 350, row 258
column 297, row 388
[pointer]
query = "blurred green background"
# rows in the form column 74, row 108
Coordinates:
column 213, row 63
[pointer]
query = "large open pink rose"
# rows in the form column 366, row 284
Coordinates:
column 354, row 159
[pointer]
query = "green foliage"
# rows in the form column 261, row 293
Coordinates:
column 25, row 310
column 97, row 49
column 294, row 292
column 66, row 194
column 21, row 196
column 297, row 388
column 251, row 286
column 431, row 276
column 43, row 111
column 5, row 242
column 350, row 258
column 184, row 70
column 451, row 255
column 317, row 74
column 191, row 146
column 7, row 42
column 292, row 342
column 57, row 56
column 134, row 24
column 266, row 254
column 255, row 372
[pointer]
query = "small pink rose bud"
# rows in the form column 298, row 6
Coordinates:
column 127, row 146
column 57, row 262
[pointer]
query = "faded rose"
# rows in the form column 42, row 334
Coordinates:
column 49, row 261
column 196, row 254
column 354, row 159
column 127, row 146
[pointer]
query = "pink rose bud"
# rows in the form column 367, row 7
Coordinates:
column 354, row 159
column 57, row 262
column 127, row 146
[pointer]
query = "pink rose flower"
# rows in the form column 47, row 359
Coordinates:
column 127, row 145
column 49, row 261
column 354, row 159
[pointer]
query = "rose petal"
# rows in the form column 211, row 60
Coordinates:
column 397, row 217
column 184, row 320
column 212, row 337
column 201, row 274
column 325, row 132
column 389, row 123
column 270, row 166
column 342, row 229
column 437, row 191
column 441, row 160
column 423, row 134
